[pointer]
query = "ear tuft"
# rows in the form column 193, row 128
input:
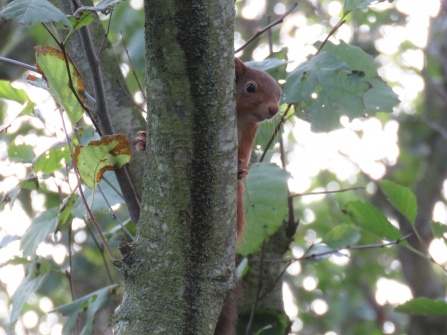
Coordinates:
column 239, row 68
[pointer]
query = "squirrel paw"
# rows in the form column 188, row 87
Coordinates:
column 242, row 170
column 141, row 141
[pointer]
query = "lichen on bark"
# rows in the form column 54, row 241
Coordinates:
column 181, row 266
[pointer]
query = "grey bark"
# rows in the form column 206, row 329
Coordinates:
column 180, row 269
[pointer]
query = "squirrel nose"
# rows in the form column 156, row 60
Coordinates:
column 273, row 110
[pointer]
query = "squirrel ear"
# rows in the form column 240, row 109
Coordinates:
column 239, row 68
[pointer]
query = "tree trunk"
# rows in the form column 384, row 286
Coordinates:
column 180, row 268
column 419, row 273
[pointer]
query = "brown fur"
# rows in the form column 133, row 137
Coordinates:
column 251, row 108
column 228, row 316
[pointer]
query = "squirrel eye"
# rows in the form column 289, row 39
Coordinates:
column 250, row 88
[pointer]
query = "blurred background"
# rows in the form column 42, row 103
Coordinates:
column 349, row 293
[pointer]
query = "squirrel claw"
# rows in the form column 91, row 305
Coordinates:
column 141, row 141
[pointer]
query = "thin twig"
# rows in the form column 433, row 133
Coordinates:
column 258, row 291
column 330, row 252
column 70, row 262
column 131, row 65
column 338, row 25
column 126, row 94
column 435, row 126
column 90, row 214
column 115, row 217
column 269, row 19
column 274, row 23
column 51, row 34
column 106, row 34
column 113, row 187
column 19, row 64
column 328, row 192
column 275, row 132
column 291, row 223
column 101, row 250
column 34, row 69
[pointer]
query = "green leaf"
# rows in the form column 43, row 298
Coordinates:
column 111, row 152
column 439, row 230
column 9, row 197
column 51, row 160
column 27, row 109
column 16, row 261
column 93, row 303
column 264, row 134
column 260, row 331
column 273, row 66
column 22, row 153
column 242, row 268
column 11, row 93
column 34, row 11
column 359, row 60
column 8, row 239
column 37, row 275
column 265, row 203
column 102, row 6
column 349, row 5
column 372, row 220
column 51, row 63
column 31, row 183
column 423, row 306
column 354, row 56
column 85, row 19
column 37, row 82
column 325, row 88
column 341, row 236
column 65, row 210
column 265, row 322
column 380, row 98
column 402, row 198
column 38, row 231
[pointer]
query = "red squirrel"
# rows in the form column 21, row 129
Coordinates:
column 257, row 100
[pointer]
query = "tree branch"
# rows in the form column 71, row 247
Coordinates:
column 274, row 23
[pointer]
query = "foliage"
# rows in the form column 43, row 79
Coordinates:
column 339, row 81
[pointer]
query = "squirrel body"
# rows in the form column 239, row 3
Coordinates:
column 257, row 100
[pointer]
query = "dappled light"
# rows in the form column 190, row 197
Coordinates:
column 336, row 181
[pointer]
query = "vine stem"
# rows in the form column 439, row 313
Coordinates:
column 330, row 252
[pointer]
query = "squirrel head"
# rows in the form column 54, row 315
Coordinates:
column 257, row 94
